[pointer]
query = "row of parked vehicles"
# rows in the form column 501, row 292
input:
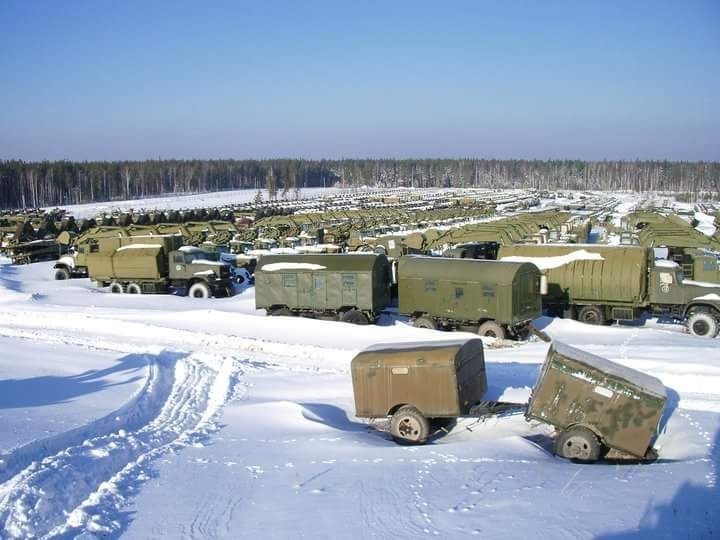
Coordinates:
column 590, row 283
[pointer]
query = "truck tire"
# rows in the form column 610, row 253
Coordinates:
column 116, row 287
column 133, row 288
column 353, row 316
column 409, row 426
column 62, row 273
column 425, row 322
column 491, row 329
column 591, row 315
column 702, row 324
column 199, row 289
column 579, row 444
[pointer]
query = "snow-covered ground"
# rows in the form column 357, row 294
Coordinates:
column 161, row 416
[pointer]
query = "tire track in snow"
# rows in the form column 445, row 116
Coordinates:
column 83, row 487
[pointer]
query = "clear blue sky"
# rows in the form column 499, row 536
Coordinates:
column 100, row 79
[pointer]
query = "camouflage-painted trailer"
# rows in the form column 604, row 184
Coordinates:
column 353, row 288
column 596, row 405
column 494, row 298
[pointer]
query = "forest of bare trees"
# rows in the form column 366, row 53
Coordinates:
column 40, row 184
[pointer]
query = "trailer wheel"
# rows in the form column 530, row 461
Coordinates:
column 354, row 316
column 280, row 312
column 591, row 315
column 133, row 288
column 116, row 287
column 491, row 329
column 702, row 324
column 62, row 273
column 425, row 322
column 579, row 444
column 199, row 289
column 409, row 426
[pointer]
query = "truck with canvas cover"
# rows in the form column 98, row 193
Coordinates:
column 600, row 284
column 160, row 267
column 596, row 405
column 104, row 240
column 353, row 288
column 496, row 299
column 418, row 384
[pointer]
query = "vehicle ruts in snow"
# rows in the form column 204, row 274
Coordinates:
column 492, row 298
column 601, row 284
column 160, row 268
column 598, row 408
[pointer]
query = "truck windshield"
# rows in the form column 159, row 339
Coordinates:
column 197, row 256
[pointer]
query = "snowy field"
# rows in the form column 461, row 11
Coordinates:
column 160, row 416
column 168, row 417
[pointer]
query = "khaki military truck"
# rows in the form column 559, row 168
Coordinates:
column 420, row 385
column 496, row 299
column 75, row 265
column 596, row 405
column 353, row 288
column 601, row 284
column 161, row 267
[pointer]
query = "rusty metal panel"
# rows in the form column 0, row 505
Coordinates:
column 621, row 405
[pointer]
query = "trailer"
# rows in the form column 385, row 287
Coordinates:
column 597, row 407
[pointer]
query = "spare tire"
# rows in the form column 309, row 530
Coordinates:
column 491, row 329
column 62, row 273
column 703, row 324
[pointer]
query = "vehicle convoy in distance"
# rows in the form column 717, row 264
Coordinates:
column 351, row 288
column 160, row 267
column 601, row 284
column 496, row 299
column 598, row 408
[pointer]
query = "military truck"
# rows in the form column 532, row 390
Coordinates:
column 74, row 264
column 496, row 299
column 352, row 288
column 601, row 284
column 596, row 405
column 162, row 267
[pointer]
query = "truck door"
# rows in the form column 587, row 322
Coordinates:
column 319, row 291
column 177, row 265
column 305, row 290
column 666, row 288
column 349, row 289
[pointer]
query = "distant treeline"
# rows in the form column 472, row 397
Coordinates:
column 42, row 184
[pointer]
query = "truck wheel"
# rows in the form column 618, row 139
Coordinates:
column 199, row 289
column 354, row 316
column 62, row 273
column 409, row 426
column 280, row 312
column 591, row 315
column 133, row 288
column 578, row 443
column 702, row 324
column 425, row 322
column 491, row 329
column 116, row 287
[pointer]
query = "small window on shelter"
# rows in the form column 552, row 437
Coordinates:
column 289, row 280
column 459, row 292
column 348, row 281
column 430, row 285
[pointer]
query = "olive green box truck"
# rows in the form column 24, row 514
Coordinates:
column 160, row 267
column 600, row 284
column 494, row 298
column 353, row 288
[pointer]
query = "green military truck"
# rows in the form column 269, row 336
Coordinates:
column 596, row 405
column 74, row 265
column 601, row 284
column 161, row 267
column 497, row 299
column 353, row 288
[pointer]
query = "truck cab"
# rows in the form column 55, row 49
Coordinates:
column 190, row 267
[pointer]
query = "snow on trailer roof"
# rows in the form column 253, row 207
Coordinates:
column 644, row 381
column 413, row 345
column 548, row 263
column 274, row 267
